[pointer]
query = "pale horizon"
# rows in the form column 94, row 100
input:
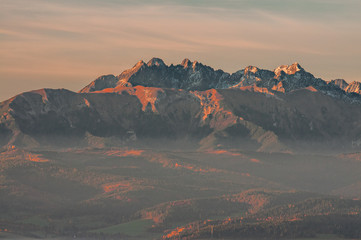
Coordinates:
column 62, row 44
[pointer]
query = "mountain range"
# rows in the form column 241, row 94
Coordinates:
column 184, row 152
column 194, row 76
column 190, row 105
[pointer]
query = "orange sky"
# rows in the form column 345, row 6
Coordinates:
column 62, row 44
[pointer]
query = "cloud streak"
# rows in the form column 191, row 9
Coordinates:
column 82, row 40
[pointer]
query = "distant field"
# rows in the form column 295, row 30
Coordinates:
column 324, row 236
column 134, row 228
column 139, row 193
column 11, row 236
column 36, row 220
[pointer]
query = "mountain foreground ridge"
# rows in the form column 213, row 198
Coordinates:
column 190, row 104
column 184, row 152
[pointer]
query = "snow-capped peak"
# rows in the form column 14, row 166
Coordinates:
column 288, row 69
column 252, row 69
column 196, row 76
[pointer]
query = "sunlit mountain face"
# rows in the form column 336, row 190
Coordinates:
column 262, row 110
column 184, row 151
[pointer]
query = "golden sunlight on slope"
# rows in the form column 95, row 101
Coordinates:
column 213, row 111
column 256, row 198
column 225, row 152
column 175, row 232
column 312, row 89
column 119, row 152
column 159, row 216
column 230, row 153
column 17, row 156
column 171, row 163
column 124, row 153
column 210, row 101
column 256, row 89
column 194, row 168
column 255, row 160
column 146, row 95
column 35, row 158
column 118, row 186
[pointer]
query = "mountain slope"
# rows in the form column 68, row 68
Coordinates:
column 189, row 105
column 228, row 118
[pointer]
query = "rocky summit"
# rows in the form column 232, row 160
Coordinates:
column 195, row 76
column 190, row 105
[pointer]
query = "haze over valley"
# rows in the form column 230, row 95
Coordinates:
column 184, row 151
column 180, row 120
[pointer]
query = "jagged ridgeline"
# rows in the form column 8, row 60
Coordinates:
column 196, row 76
column 190, row 105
